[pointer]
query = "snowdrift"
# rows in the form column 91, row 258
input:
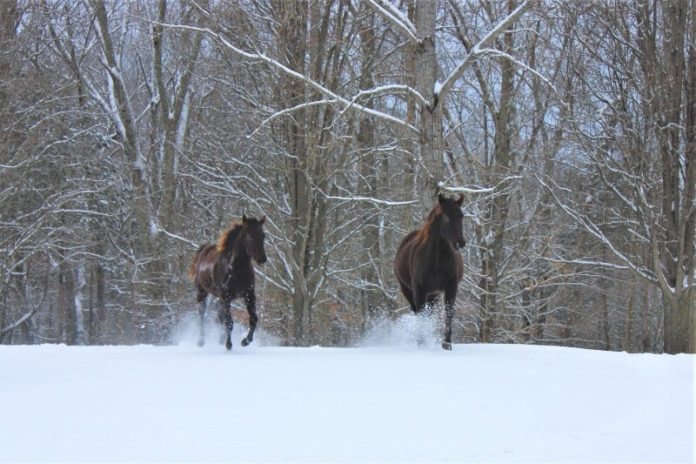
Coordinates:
column 479, row 403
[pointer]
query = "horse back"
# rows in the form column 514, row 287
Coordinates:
column 202, row 260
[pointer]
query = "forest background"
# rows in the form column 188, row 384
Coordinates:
column 132, row 132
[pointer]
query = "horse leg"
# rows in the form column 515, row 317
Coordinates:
column 229, row 324
column 250, row 299
column 201, row 298
column 225, row 318
column 420, row 304
column 409, row 296
column 450, row 296
column 418, row 299
column 430, row 303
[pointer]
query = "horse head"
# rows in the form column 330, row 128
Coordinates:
column 451, row 220
column 253, row 237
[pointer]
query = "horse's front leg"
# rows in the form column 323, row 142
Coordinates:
column 250, row 300
column 202, row 310
column 450, row 297
column 420, row 301
column 418, row 298
column 225, row 318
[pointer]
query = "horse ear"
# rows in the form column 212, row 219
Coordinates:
column 262, row 220
column 460, row 200
column 244, row 219
column 440, row 198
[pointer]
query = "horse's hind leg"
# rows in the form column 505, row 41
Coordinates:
column 250, row 300
column 201, row 298
column 409, row 296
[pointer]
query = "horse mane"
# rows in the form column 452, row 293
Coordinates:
column 424, row 233
column 228, row 236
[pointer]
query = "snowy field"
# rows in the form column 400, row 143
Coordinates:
column 391, row 403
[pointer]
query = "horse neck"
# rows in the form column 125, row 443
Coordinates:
column 238, row 253
column 435, row 243
column 233, row 253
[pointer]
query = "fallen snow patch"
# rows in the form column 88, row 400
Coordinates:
column 478, row 403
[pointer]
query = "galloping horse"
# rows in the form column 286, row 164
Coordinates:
column 427, row 261
column 225, row 271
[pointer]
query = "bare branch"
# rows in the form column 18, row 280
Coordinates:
column 290, row 72
column 479, row 48
column 395, row 18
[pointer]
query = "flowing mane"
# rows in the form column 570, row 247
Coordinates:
column 227, row 237
column 424, row 233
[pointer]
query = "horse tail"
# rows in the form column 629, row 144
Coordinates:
column 194, row 264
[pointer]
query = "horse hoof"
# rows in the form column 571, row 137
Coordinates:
column 447, row 346
column 245, row 342
column 228, row 345
column 201, row 343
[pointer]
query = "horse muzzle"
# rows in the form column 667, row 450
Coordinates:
column 261, row 259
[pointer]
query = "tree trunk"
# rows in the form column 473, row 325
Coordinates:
column 497, row 208
column 27, row 328
column 677, row 320
column 9, row 16
column 291, row 37
column 144, row 238
column 628, row 321
column 67, row 321
column 369, row 186
column 80, row 284
column 97, row 315
column 430, row 169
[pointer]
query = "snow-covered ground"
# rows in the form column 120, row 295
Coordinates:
column 478, row 403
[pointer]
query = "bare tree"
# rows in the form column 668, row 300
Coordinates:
column 641, row 148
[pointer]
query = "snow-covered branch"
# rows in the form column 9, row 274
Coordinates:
column 385, row 89
column 518, row 63
column 595, row 231
column 395, row 18
column 375, row 201
column 480, row 48
column 285, row 111
column 585, row 262
column 372, row 200
column 292, row 73
column 176, row 237
column 19, row 321
column 477, row 190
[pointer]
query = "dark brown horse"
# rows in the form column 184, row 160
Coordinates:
column 225, row 271
column 428, row 261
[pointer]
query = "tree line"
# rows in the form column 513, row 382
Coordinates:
column 133, row 132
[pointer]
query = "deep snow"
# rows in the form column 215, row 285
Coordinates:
column 478, row 403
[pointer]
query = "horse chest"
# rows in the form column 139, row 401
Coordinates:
column 439, row 271
column 235, row 281
column 438, row 278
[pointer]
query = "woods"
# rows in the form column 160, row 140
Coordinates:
column 131, row 133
